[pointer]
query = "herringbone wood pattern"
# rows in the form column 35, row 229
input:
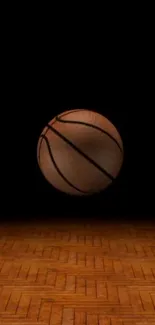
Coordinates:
column 77, row 274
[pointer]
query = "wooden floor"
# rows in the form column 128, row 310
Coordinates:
column 77, row 274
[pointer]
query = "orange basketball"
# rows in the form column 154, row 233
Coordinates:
column 80, row 152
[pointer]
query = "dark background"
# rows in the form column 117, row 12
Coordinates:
column 26, row 195
column 47, row 72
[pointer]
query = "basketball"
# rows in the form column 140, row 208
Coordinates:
column 80, row 152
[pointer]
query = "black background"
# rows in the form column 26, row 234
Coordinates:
column 46, row 73
column 36, row 87
column 27, row 195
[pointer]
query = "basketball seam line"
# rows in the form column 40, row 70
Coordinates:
column 81, row 152
column 91, row 125
column 57, row 168
column 41, row 143
column 70, row 112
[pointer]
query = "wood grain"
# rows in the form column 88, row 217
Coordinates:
column 77, row 274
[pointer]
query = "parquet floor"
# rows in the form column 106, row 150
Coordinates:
column 77, row 274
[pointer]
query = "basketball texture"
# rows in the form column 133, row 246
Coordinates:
column 80, row 152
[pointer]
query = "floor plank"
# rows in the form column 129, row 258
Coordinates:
column 77, row 274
